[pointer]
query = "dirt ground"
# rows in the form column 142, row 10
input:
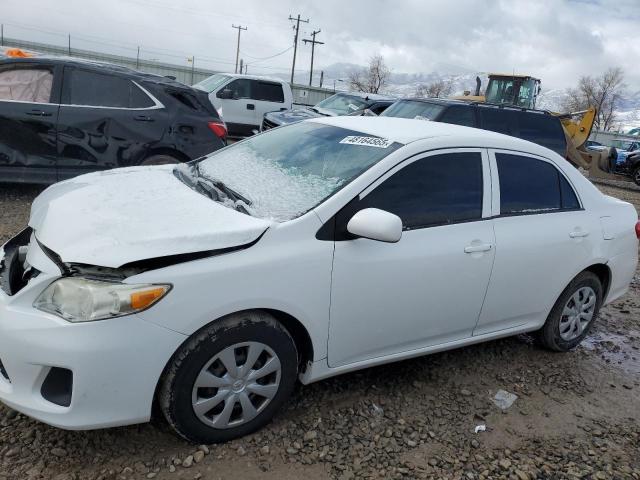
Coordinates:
column 577, row 415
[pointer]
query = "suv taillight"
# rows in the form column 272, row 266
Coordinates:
column 219, row 129
column 638, row 229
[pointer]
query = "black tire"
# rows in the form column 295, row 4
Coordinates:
column 636, row 175
column 549, row 334
column 175, row 394
column 160, row 160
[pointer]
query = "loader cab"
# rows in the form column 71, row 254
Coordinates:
column 517, row 90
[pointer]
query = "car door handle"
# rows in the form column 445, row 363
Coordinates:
column 251, row 106
column 38, row 113
column 483, row 247
column 578, row 234
column 143, row 118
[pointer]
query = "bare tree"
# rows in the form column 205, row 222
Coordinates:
column 603, row 92
column 371, row 79
column 438, row 89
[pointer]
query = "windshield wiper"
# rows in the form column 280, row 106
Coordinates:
column 215, row 187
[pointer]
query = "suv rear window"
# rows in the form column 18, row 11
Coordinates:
column 30, row 84
column 459, row 116
column 542, row 129
column 83, row 87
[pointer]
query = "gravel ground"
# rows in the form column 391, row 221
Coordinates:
column 577, row 415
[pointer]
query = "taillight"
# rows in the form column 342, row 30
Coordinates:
column 638, row 229
column 218, row 128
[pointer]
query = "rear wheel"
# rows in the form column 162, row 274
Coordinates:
column 229, row 379
column 160, row 160
column 573, row 314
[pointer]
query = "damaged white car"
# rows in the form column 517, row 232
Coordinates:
column 305, row 252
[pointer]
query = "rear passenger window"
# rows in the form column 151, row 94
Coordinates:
column 435, row 190
column 82, row 87
column 267, row 91
column 528, row 185
column 26, row 84
column 459, row 116
column 542, row 129
column 240, row 88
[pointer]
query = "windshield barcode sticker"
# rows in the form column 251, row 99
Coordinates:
column 377, row 142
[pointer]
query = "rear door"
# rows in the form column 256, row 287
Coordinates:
column 106, row 120
column 268, row 96
column 543, row 239
column 29, row 95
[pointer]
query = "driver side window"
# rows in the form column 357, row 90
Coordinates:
column 240, row 88
column 435, row 190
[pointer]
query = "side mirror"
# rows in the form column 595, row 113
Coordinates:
column 226, row 94
column 376, row 224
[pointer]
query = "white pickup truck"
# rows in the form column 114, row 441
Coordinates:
column 242, row 100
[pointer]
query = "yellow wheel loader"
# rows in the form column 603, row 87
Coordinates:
column 522, row 91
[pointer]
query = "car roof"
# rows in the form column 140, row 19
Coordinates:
column 370, row 96
column 404, row 130
column 251, row 77
column 94, row 65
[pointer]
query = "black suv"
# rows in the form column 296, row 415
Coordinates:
column 537, row 126
column 61, row 117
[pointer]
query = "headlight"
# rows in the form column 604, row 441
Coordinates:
column 83, row 300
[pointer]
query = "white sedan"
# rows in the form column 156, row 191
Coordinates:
column 302, row 253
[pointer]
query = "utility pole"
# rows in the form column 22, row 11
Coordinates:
column 241, row 64
column 313, row 47
column 138, row 59
column 240, row 28
column 1, row 35
column 193, row 66
column 69, row 44
column 321, row 77
column 295, row 42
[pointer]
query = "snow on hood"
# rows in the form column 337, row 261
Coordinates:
column 119, row 216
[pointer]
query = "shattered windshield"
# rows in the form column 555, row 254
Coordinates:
column 413, row 109
column 211, row 83
column 342, row 104
column 285, row 172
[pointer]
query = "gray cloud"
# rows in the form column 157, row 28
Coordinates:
column 555, row 40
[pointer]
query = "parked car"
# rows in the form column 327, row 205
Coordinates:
column 62, row 117
column 631, row 166
column 595, row 146
column 308, row 251
column 534, row 125
column 627, row 149
column 242, row 100
column 339, row 104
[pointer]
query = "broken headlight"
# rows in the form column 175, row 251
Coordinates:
column 83, row 300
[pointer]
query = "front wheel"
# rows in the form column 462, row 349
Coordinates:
column 229, row 379
column 573, row 314
column 636, row 176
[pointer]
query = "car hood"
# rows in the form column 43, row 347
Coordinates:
column 296, row 115
column 124, row 215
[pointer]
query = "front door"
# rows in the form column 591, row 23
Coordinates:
column 428, row 288
column 28, row 119
column 238, row 112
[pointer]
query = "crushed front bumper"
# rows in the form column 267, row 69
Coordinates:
column 115, row 364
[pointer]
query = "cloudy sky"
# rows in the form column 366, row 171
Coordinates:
column 554, row 40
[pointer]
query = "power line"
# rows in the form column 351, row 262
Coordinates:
column 295, row 42
column 260, row 59
column 313, row 43
column 240, row 28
